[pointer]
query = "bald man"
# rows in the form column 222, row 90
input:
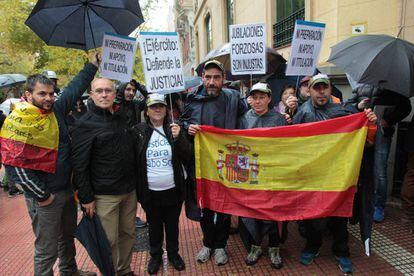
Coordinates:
column 104, row 171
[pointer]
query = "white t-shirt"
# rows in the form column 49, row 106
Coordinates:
column 160, row 171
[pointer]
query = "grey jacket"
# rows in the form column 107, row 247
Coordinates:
column 270, row 119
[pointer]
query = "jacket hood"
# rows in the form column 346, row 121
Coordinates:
column 120, row 93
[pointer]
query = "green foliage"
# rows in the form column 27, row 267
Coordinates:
column 22, row 51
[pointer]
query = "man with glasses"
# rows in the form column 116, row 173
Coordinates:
column 104, row 171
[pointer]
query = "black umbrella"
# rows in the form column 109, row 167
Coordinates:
column 81, row 24
column 7, row 80
column 222, row 54
column 92, row 236
column 381, row 60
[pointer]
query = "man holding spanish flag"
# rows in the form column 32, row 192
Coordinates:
column 319, row 108
column 35, row 149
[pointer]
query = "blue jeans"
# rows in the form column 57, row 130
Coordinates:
column 382, row 150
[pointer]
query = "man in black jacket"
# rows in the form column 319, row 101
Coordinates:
column 49, row 196
column 213, row 105
column 104, row 159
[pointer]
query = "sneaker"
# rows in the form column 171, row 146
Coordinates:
column 220, row 256
column 275, row 259
column 306, row 258
column 345, row 264
column 140, row 223
column 254, row 255
column 379, row 214
column 204, row 255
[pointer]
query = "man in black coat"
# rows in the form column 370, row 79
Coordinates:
column 104, row 171
column 213, row 105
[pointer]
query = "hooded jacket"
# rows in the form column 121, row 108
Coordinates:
column 182, row 152
column 132, row 108
column 103, row 154
column 309, row 113
column 202, row 109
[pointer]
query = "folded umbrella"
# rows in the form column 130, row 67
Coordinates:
column 81, row 24
column 381, row 60
column 92, row 236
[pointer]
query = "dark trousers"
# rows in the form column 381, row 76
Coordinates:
column 407, row 189
column 338, row 227
column 163, row 213
column 215, row 229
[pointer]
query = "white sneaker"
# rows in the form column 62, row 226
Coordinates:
column 204, row 255
column 220, row 256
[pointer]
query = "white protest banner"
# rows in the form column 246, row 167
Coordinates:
column 118, row 57
column 306, row 45
column 248, row 49
column 161, row 58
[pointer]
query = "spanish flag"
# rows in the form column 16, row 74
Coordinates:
column 30, row 138
column 284, row 173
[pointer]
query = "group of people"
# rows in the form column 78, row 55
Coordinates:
column 117, row 161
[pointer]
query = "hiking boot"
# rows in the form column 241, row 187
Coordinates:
column 220, row 256
column 84, row 273
column 177, row 262
column 139, row 223
column 254, row 255
column 306, row 258
column 275, row 259
column 345, row 264
column 154, row 265
column 204, row 255
column 379, row 214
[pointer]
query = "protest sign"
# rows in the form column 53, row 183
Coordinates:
column 306, row 45
column 161, row 58
column 248, row 49
column 118, row 56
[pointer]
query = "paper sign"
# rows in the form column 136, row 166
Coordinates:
column 161, row 58
column 118, row 56
column 248, row 49
column 306, row 45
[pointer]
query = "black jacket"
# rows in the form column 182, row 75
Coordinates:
column 103, row 154
column 132, row 108
column 182, row 152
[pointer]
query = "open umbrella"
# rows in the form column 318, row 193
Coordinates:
column 92, row 236
column 81, row 24
column 222, row 54
column 7, row 80
column 381, row 60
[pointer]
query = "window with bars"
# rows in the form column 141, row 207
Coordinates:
column 288, row 11
column 209, row 34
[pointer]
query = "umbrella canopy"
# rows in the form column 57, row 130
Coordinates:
column 381, row 60
column 92, row 236
column 222, row 54
column 81, row 24
column 7, row 80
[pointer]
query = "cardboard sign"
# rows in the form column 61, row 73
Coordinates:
column 161, row 58
column 306, row 46
column 118, row 56
column 248, row 49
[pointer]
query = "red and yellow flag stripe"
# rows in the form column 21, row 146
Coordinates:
column 283, row 173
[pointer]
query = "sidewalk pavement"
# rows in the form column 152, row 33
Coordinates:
column 392, row 249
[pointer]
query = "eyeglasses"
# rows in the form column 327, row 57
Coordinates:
column 101, row 90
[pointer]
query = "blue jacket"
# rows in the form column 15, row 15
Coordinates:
column 38, row 184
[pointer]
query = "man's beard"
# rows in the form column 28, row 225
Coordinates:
column 39, row 105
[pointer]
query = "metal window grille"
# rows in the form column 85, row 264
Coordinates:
column 283, row 30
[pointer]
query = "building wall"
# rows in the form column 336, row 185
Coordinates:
column 264, row 12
